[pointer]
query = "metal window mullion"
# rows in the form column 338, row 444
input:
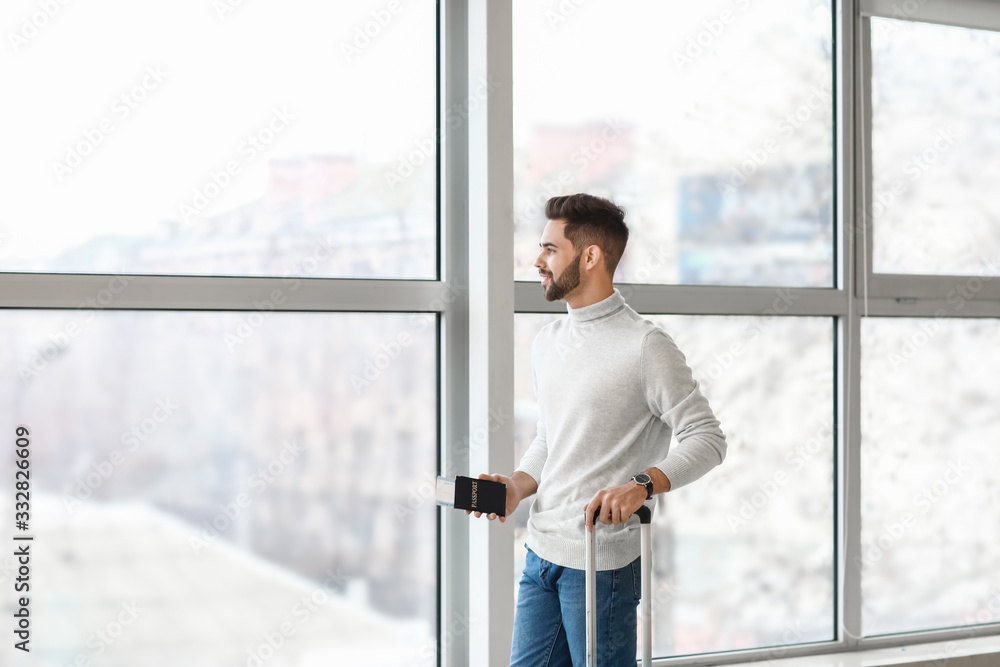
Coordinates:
column 961, row 289
column 453, row 574
column 850, row 630
column 705, row 300
column 864, row 235
column 848, row 349
column 927, row 636
column 491, row 318
column 931, row 308
column 826, row 652
column 110, row 291
column 974, row 14
column 771, row 655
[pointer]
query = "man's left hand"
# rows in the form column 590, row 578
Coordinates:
column 617, row 503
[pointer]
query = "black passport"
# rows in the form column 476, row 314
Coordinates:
column 477, row 495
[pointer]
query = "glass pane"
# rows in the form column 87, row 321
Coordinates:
column 929, row 490
column 226, row 137
column 226, row 494
column 743, row 557
column 935, row 138
column 711, row 122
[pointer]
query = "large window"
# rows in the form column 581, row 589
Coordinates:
column 223, row 498
column 747, row 552
column 718, row 140
column 710, row 121
column 929, row 260
column 210, row 138
column 229, row 459
column 266, row 269
column 934, row 154
column 929, row 433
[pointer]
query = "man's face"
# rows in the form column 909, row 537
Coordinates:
column 557, row 264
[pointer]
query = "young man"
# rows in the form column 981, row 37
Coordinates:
column 611, row 387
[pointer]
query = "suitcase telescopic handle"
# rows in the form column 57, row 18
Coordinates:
column 645, row 518
column 644, row 513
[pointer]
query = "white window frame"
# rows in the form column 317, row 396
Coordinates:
column 476, row 309
column 917, row 295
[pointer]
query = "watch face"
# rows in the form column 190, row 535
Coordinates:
column 643, row 478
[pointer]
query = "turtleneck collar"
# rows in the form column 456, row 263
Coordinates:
column 597, row 310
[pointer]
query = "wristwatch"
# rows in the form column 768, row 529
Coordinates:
column 643, row 479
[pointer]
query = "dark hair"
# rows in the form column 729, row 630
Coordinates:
column 590, row 221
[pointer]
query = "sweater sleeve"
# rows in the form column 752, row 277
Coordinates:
column 538, row 451
column 673, row 396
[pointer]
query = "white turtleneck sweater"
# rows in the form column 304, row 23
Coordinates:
column 611, row 387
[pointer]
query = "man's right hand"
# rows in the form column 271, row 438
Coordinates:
column 519, row 486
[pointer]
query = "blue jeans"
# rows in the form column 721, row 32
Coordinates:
column 550, row 619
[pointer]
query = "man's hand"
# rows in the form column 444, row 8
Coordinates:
column 617, row 503
column 519, row 486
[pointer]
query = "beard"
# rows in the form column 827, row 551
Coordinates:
column 568, row 281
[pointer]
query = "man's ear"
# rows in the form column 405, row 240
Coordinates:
column 594, row 257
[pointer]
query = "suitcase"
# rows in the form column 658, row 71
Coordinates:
column 645, row 516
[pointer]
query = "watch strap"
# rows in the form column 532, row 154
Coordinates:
column 648, row 485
